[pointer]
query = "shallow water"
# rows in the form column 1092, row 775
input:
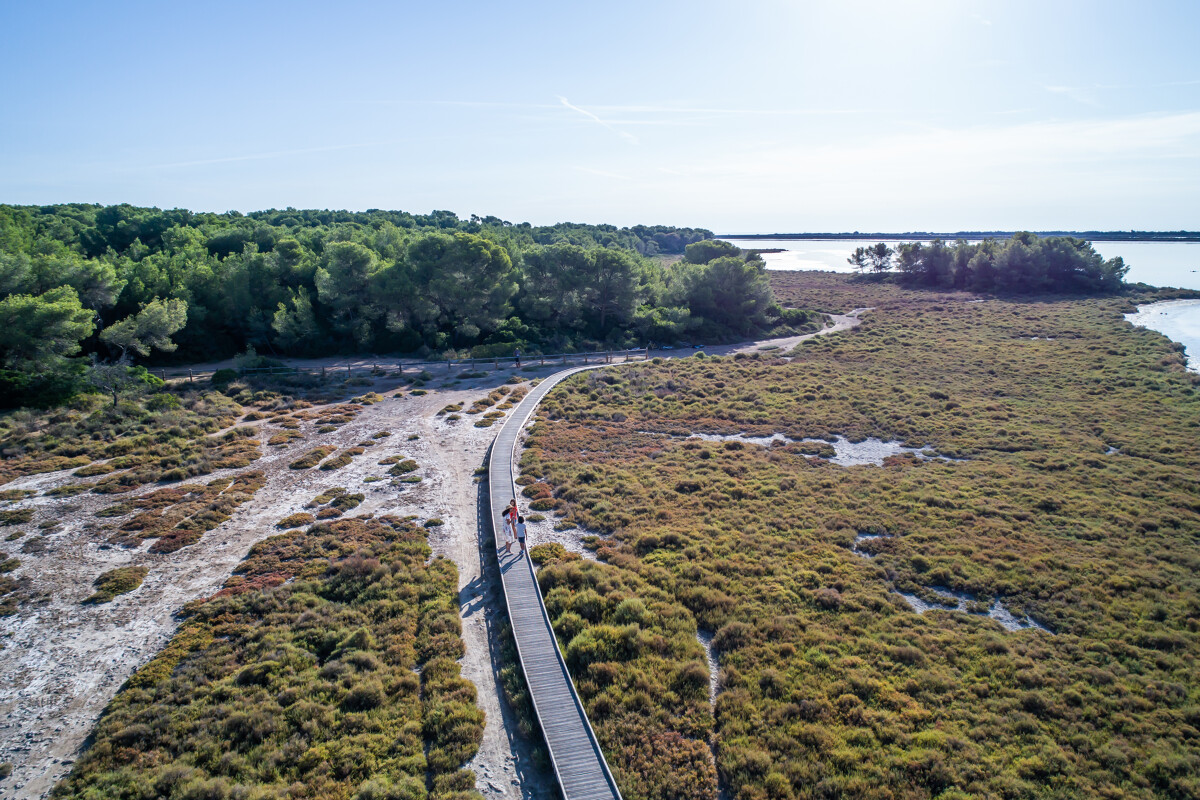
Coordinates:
column 957, row 601
column 845, row 452
column 705, row 638
column 864, row 537
column 1178, row 320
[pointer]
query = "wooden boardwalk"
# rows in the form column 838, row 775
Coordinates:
column 582, row 771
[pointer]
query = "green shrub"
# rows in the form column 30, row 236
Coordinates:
column 223, row 377
column 295, row 520
column 16, row 516
column 115, row 582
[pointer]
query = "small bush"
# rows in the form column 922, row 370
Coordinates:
column 121, row 580
column 223, row 377
column 16, row 517
column 295, row 520
column 311, row 458
column 403, row 467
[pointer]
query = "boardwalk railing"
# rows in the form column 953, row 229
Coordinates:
column 578, row 761
column 409, row 367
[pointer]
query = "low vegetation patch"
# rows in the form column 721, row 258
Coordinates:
column 343, row 681
column 90, row 429
column 402, row 467
column 343, row 458
column 311, row 458
column 115, row 582
column 297, row 520
column 179, row 516
column 283, row 438
column 829, row 684
column 17, row 516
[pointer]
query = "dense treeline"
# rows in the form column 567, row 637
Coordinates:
column 1023, row 264
column 124, row 281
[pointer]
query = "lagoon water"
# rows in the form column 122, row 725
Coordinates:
column 1156, row 263
column 1178, row 320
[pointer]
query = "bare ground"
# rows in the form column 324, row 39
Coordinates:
column 63, row 661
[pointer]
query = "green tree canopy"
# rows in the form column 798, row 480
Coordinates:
column 35, row 329
column 731, row 292
column 709, row 249
column 343, row 284
column 467, row 280
column 150, row 328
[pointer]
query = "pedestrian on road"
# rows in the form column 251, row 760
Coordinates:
column 517, row 356
column 521, row 533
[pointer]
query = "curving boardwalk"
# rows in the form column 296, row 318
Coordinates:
column 582, row 771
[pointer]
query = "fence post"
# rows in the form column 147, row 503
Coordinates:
column 347, row 371
column 543, row 361
column 497, row 363
column 322, row 372
column 191, row 378
column 163, row 372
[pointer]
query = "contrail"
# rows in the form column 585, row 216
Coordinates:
column 624, row 134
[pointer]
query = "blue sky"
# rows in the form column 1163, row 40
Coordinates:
column 749, row 116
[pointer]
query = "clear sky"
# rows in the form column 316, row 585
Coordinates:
column 740, row 116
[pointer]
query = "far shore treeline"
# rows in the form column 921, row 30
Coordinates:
column 1021, row 264
column 86, row 283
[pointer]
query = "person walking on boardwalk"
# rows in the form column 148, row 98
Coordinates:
column 521, row 533
column 507, row 525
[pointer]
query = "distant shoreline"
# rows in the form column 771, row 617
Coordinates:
column 1093, row 236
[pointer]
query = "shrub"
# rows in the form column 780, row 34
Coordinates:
column 295, row 520
column 223, row 377
column 311, row 458
column 548, row 553
column 16, row 517
column 311, row 641
column 121, row 580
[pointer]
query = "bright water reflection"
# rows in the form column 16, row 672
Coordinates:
column 1155, row 263
column 1178, row 320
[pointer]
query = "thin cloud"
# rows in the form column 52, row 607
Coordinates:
column 1077, row 94
column 671, row 110
column 997, row 150
column 623, row 134
column 604, row 173
column 260, row 156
